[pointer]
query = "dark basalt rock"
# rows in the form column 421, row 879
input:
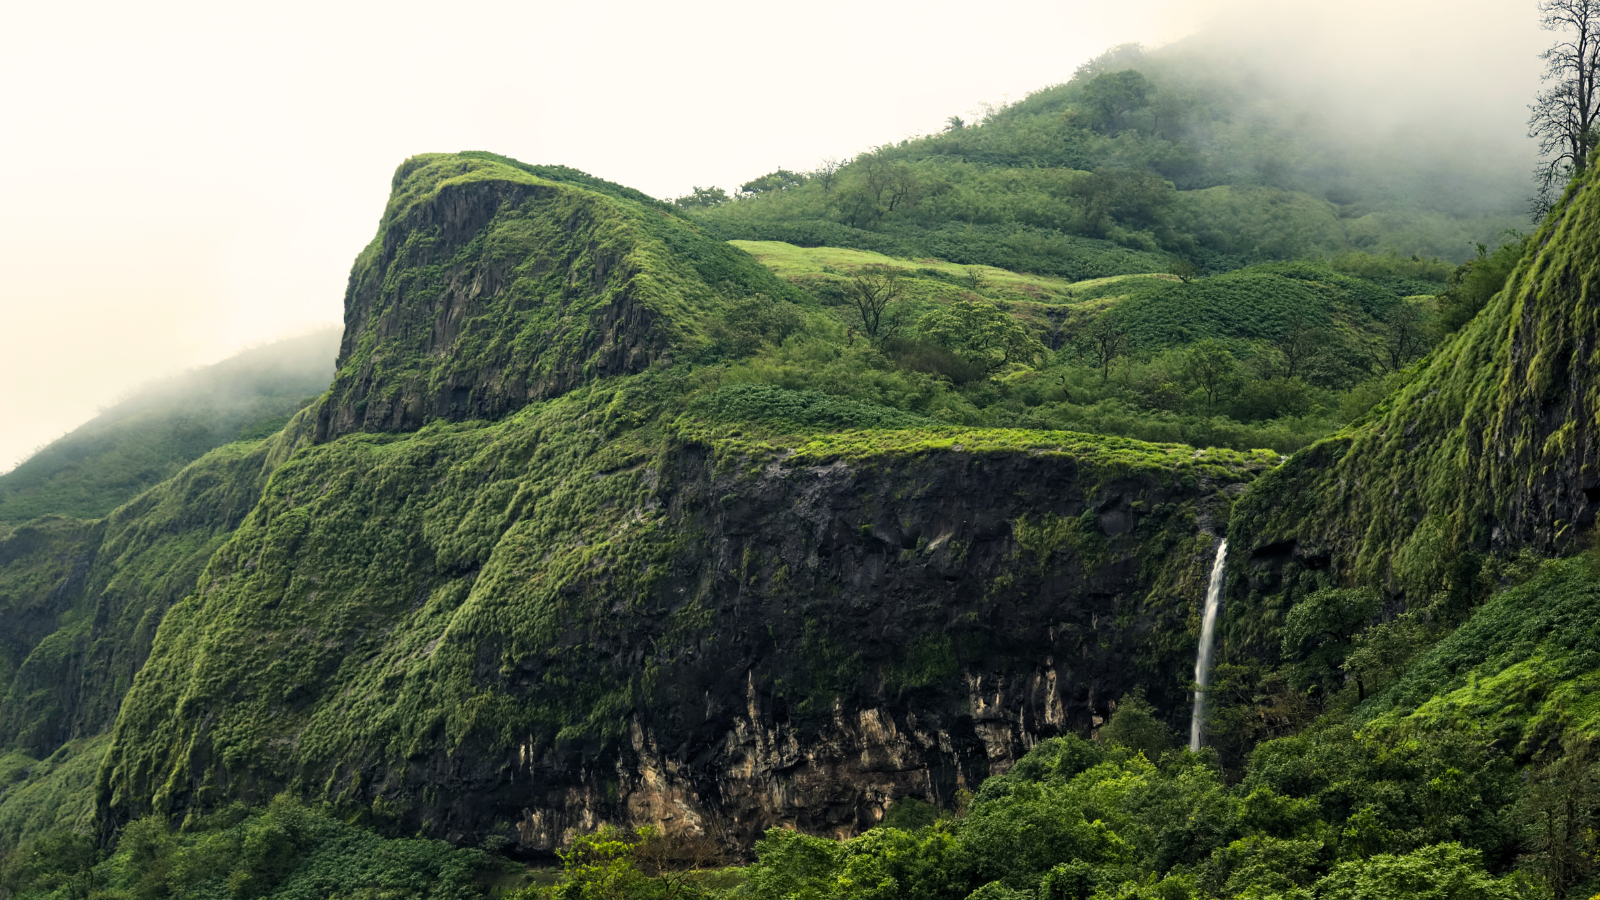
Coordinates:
column 872, row 630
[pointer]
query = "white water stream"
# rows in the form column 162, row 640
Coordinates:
column 1208, row 630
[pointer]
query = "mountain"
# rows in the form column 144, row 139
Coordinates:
column 589, row 610
column 614, row 539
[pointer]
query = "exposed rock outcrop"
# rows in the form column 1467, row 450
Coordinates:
column 489, row 287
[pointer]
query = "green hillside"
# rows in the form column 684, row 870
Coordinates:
column 1138, row 157
column 145, row 439
column 1275, row 355
column 1486, row 448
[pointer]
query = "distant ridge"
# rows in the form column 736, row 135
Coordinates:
column 146, row 438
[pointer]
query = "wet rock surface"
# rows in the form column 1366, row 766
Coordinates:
column 877, row 631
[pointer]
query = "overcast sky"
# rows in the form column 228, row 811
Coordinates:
column 187, row 179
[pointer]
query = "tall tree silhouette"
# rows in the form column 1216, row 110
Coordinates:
column 1564, row 113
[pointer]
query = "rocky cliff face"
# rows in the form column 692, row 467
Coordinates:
column 887, row 627
column 534, row 627
column 489, row 287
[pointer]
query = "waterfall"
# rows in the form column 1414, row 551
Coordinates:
column 1202, row 659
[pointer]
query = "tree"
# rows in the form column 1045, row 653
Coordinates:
column 954, row 123
column 1477, row 280
column 782, row 179
column 1107, row 342
column 57, row 862
column 1561, row 816
column 1564, row 114
column 980, row 333
column 1210, row 367
column 672, row 860
column 1404, row 338
column 827, row 173
column 1110, row 197
column 874, row 293
column 750, row 322
column 1111, row 96
column 600, row 866
column 702, row 197
column 877, row 186
column 1134, row 725
column 875, row 173
column 1295, row 347
column 904, row 187
column 1319, row 632
column 856, row 207
column 1186, row 271
column 860, row 202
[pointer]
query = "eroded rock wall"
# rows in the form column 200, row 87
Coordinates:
column 953, row 647
column 466, row 633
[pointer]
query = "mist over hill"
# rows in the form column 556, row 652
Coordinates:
column 149, row 435
column 1188, row 150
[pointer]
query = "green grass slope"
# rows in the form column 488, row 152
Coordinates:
column 1347, row 321
column 148, row 437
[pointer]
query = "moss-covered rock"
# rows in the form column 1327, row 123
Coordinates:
column 534, row 626
column 1490, row 445
column 491, row 284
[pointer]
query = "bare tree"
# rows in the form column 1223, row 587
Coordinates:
column 1297, row 346
column 1565, row 113
column 875, row 293
column 1108, row 341
column 675, row 859
column 827, row 173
